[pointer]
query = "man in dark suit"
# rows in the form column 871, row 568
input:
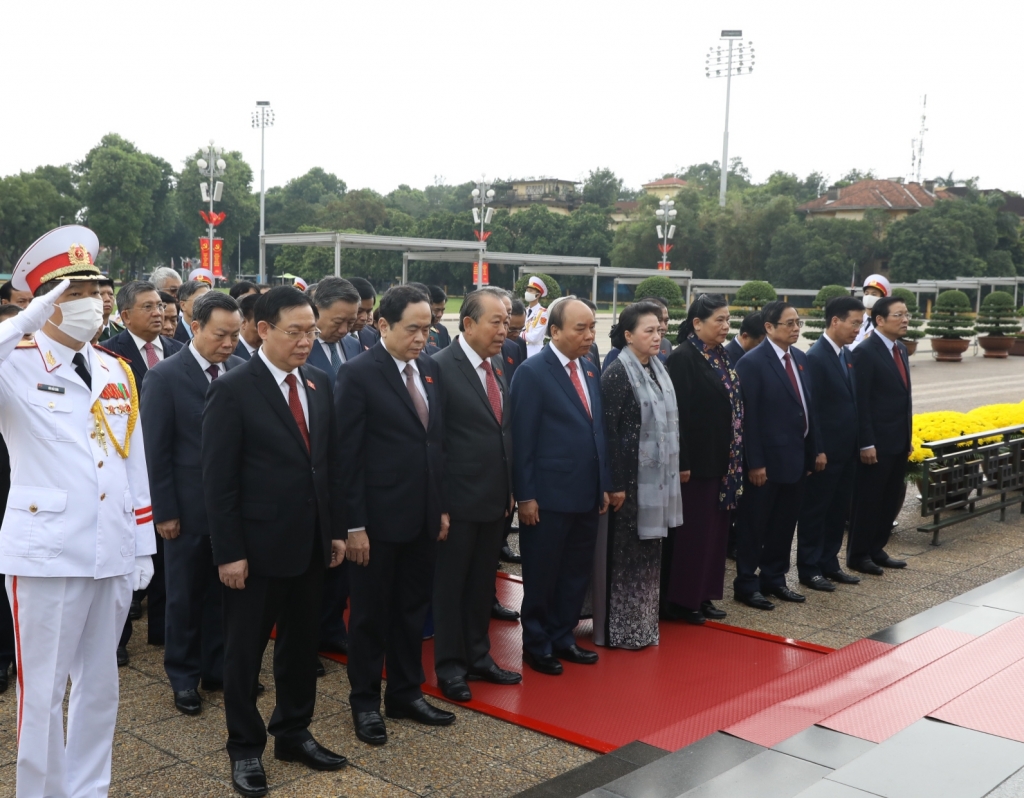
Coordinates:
column 885, row 410
column 516, row 325
column 828, row 493
column 513, row 353
column 439, row 335
column 561, row 479
column 362, row 331
column 780, row 447
column 173, row 397
column 188, row 292
column 389, row 405
column 249, row 339
column 478, row 482
column 142, row 345
column 272, row 475
column 751, row 334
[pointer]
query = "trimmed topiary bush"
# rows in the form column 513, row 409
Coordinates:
column 951, row 317
column 815, row 324
column 554, row 290
column 660, row 286
column 998, row 315
column 914, row 332
column 750, row 296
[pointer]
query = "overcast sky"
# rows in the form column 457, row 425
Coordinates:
column 382, row 93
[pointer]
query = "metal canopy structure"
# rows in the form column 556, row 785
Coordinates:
column 962, row 283
column 549, row 264
column 596, row 271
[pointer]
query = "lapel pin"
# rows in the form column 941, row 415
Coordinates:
column 430, row 380
column 590, row 373
column 499, row 372
column 51, row 361
column 312, row 387
column 509, row 360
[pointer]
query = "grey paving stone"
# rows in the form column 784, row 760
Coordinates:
column 981, row 620
column 767, row 775
column 930, row 759
column 922, row 622
column 1009, row 598
column 639, row 753
column 832, row 789
column 824, row 747
column 1013, row 787
column 582, row 779
column 978, row 596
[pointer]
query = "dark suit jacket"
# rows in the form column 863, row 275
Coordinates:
column 734, row 351
column 241, row 351
column 705, row 414
column 173, row 397
column 110, row 329
column 773, row 418
column 392, row 475
column 594, row 356
column 444, row 338
column 269, row 499
column 124, row 345
column 319, row 358
column 368, row 337
column 477, row 449
column 561, row 457
column 883, row 403
column 512, row 356
column 835, row 397
column 181, row 332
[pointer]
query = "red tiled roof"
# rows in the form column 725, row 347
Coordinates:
column 665, row 182
column 866, row 194
column 626, row 206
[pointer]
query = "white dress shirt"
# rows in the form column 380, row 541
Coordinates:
column 799, row 383
column 416, row 373
column 337, row 347
column 157, row 345
column 204, row 364
column 835, row 347
column 250, row 349
column 279, row 378
column 475, row 360
column 565, row 361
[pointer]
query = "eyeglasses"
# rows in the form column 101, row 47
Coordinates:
column 901, row 316
column 295, row 335
column 149, row 307
column 793, row 324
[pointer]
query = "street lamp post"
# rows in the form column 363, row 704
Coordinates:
column 212, row 167
column 262, row 117
column 738, row 60
column 666, row 213
column 482, row 194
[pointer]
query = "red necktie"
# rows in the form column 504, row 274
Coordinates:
column 493, row 394
column 575, row 377
column 899, row 365
column 796, row 385
column 151, row 358
column 296, row 407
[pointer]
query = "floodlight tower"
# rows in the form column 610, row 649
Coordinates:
column 721, row 62
column 666, row 230
column 482, row 194
column 262, row 117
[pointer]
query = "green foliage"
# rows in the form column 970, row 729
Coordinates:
column 914, row 331
column 30, row 204
column 554, row 290
column 755, row 294
column 807, row 253
column 998, row 315
column 951, row 317
column 661, row 287
column 602, row 188
column 815, row 323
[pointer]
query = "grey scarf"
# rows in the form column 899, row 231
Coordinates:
column 659, row 505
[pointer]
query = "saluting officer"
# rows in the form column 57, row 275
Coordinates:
column 77, row 535
column 536, row 316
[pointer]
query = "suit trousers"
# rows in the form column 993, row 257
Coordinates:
column 880, row 492
column 764, row 534
column 194, row 638
column 332, row 607
column 823, row 516
column 293, row 603
column 388, row 606
column 558, row 558
column 464, row 582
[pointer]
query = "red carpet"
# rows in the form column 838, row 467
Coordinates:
column 668, row 695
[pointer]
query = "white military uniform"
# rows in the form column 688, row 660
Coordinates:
column 77, row 517
column 536, row 329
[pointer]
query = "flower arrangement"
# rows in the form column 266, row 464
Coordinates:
column 945, row 424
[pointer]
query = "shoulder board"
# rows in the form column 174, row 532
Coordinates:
column 26, row 345
column 112, row 354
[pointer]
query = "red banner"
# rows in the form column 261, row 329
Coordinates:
column 218, row 251
column 487, row 274
column 664, row 267
column 485, row 236
column 664, row 249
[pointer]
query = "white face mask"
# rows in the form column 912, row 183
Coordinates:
column 870, row 300
column 82, row 318
column 530, row 296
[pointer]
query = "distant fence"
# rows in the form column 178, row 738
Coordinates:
column 972, row 475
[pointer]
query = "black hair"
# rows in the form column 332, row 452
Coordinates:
column 588, row 303
column 437, row 294
column 129, row 293
column 882, row 306
column 421, row 287
column 241, row 288
column 753, row 325
column 518, row 308
column 630, row 318
column 840, row 307
column 701, row 308
column 362, row 285
column 9, row 310
column 246, row 304
column 397, row 298
column 772, row 311
column 334, row 289
column 190, row 288
column 169, row 299
column 269, row 306
column 203, row 307
column 5, row 291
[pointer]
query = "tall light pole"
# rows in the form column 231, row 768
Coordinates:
column 482, row 194
column 666, row 230
column 212, row 167
column 737, row 59
column 262, row 117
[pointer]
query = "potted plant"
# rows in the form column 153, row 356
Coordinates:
column 750, row 296
column 914, row 331
column 1018, row 340
column 669, row 290
column 998, row 321
column 950, row 326
column 815, row 324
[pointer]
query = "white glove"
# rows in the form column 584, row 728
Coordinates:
column 143, row 572
column 32, row 318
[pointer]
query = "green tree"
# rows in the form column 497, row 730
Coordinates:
column 602, row 187
column 659, row 286
column 744, row 238
column 29, row 206
column 950, row 239
column 813, row 253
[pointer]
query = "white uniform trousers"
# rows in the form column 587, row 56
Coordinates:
column 66, row 626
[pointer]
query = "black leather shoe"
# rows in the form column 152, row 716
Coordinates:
column 370, row 727
column 574, row 653
column 819, row 583
column 676, row 613
column 334, row 646
column 730, row 553
column 188, row 702
column 494, row 675
column 890, row 562
column 500, row 613
column 507, row 555
column 3, row 679
column 135, row 610
column 454, row 689
column 866, row 567
column 843, row 578
column 248, row 777
column 709, row 610
column 311, row 754
column 421, row 712
column 545, row 664
column 122, row 656
column 211, row 685
column 786, row 594
column 320, row 669
column 755, row 600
